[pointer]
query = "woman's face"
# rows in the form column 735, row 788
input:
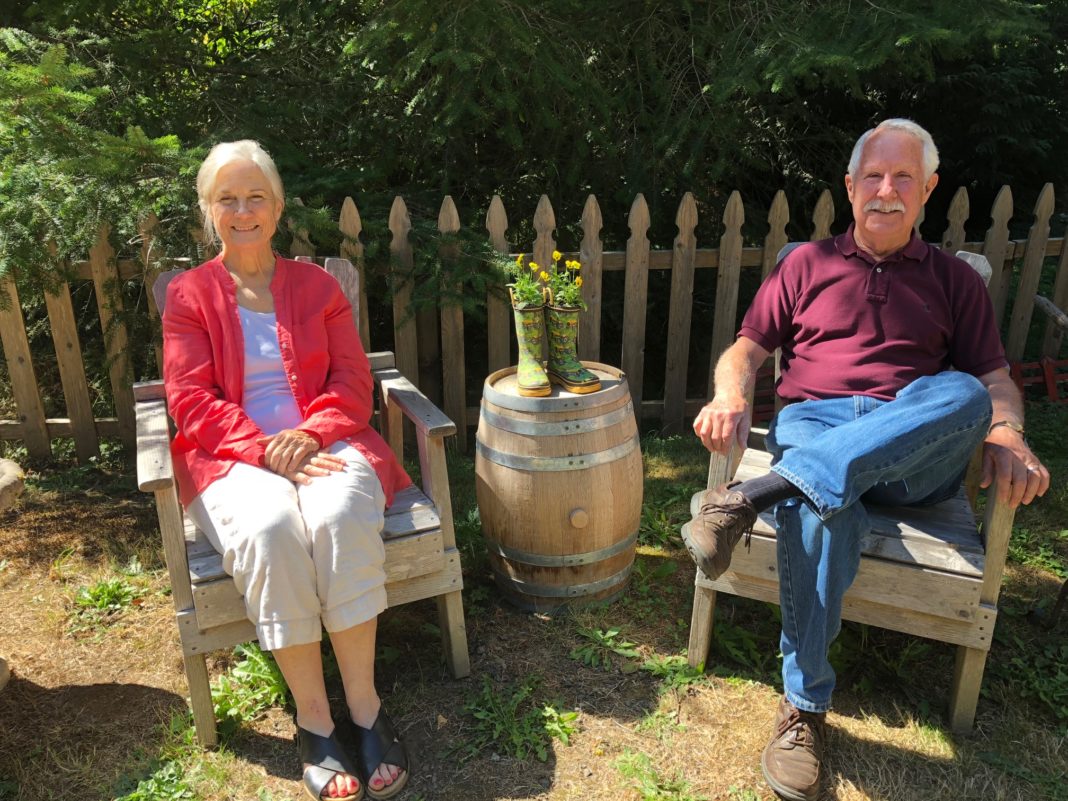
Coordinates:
column 243, row 207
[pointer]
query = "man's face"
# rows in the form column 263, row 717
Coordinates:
column 888, row 191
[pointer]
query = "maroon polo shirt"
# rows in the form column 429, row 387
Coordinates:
column 849, row 325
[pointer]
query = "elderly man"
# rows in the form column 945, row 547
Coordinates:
column 893, row 372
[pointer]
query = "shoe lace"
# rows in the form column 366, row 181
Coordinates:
column 803, row 725
column 709, row 508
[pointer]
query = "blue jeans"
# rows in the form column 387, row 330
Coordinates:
column 842, row 452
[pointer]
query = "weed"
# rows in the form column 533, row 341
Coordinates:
column 663, row 517
column 742, row 646
column 1034, row 549
column 61, row 570
column 179, row 737
column 660, row 724
column 560, row 725
column 898, row 663
column 648, row 583
column 386, row 654
column 477, row 597
column 133, row 567
column 106, row 598
column 252, row 685
column 1054, row 786
column 107, row 474
column 674, row 672
column 167, row 783
column 651, row 786
column 469, row 537
column 603, row 643
column 649, row 579
column 509, row 721
column 1038, row 671
column 742, row 794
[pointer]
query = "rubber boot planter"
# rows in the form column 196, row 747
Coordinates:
column 531, row 378
column 564, row 367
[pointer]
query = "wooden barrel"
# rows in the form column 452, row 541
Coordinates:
column 559, row 485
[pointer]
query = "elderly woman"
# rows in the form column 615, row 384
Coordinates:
column 270, row 391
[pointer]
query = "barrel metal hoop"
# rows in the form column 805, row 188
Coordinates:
column 539, row 428
column 562, row 403
column 548, row 606
column 562, row 560
column 556, row 464
column 572, row 591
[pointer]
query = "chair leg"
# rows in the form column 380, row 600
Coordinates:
column 964, row 695
column 454, row 633
column 196, row 673
column 704, row 607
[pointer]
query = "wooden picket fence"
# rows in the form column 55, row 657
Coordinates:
column 430, row 347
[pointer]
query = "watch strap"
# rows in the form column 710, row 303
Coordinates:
column 1011, row 424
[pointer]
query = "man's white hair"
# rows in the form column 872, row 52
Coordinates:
column 222, row 154
column 930, row 152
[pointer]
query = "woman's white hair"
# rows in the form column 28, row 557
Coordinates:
column 930, row 152
column 222, row 154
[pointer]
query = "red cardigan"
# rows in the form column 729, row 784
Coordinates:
column 204, row 372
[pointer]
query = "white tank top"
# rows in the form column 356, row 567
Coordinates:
column 268, row 399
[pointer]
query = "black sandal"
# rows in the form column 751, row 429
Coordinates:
column 325, row 758
column 377, row 745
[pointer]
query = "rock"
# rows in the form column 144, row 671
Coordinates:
column 12, row 483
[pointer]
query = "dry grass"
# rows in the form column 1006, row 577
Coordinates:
column 88, row 712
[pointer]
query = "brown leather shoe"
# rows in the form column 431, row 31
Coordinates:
column 791, row 761
column 720, row 517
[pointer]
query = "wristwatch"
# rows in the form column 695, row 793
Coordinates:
column 1017, row 427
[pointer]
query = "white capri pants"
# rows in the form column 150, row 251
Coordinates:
column 303, row 557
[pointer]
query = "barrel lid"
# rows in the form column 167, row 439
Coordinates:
column 502, row 389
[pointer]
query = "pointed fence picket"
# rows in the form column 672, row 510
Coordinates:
column 432, row 346
column 680, row 314
column 498, row 310
column 635, row 299
column 454, row 382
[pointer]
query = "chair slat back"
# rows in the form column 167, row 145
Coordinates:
column 342, row 269
column 159, row 287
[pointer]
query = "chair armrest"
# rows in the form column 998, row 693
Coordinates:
column 154, row 468
column 427, row 418
column 400, row 396
column 155, row 474
column 997, row 529
column 1052, row 312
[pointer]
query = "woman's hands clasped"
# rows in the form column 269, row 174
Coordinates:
column 297, row 456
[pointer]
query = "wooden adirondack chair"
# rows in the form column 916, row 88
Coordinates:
column 421, row 556
column 924, row 571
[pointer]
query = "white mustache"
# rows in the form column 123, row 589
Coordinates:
column 884, row 206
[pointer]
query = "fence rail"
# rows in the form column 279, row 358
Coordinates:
column 430, row 344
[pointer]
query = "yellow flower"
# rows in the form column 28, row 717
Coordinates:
column 544, row 276
column 578, row 265
column 519, row 260
column 533, row 266
column 572, row 265
column 557, row 255
column 578, row 282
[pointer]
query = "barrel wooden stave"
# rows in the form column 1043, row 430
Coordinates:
column 552, row 504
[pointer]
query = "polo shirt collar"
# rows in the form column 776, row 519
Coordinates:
column 915, row 249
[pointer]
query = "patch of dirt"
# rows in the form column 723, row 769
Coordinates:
column 88, row 707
